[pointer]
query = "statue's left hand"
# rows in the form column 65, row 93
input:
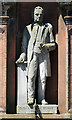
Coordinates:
column 41, row 45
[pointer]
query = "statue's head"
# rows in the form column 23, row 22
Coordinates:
column 38, row 14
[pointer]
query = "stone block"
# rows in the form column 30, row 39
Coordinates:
column 30, row 109
column 21, row 84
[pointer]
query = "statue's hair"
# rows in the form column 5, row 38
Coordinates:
column 38, row 7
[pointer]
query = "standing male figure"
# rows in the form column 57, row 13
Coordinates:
column 37, row 42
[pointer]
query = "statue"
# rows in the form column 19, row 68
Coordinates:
column 37, row 42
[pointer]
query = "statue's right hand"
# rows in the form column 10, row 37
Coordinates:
column 21, row 58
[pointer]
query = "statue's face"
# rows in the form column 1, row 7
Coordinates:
column 38, row 15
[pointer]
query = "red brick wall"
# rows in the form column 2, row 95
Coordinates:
column 3, row 67
column 68, row 20
column 70, row 74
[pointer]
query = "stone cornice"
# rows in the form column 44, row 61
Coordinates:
column 4, row 19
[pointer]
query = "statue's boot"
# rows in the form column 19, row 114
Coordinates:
column 41, row 93
column 43, row 102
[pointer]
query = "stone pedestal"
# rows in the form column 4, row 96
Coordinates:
column 21, row 84
column 45, row 109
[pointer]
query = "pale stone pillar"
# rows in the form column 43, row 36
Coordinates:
column 21, row 84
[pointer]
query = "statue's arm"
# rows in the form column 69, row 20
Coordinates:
column 51, row 46
column 23, row 47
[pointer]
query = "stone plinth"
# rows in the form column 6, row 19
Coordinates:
column 21, row 84
column 27, row 109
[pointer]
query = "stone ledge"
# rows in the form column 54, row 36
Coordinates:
column 4, row 17
column 32, row 116
column 3, row 20
column 46, row 109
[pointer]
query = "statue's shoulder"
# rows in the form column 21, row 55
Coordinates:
column 48, row 25
column 29, row 26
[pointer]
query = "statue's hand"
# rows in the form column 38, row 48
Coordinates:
column 19, row 61
column 40, row 45
column 43, row 46
column 21, row 58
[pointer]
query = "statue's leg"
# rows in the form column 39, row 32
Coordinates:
column 41, row 80
column 31, row 79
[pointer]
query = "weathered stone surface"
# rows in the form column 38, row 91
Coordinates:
column 40, row 109
column 21, row 84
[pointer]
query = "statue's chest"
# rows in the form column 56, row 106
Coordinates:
column 36, row 32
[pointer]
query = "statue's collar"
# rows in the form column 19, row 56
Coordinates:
column 36, row 24
column 40, row 24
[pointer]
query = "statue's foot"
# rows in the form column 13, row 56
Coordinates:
column 31, row 101
column 43, row 102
